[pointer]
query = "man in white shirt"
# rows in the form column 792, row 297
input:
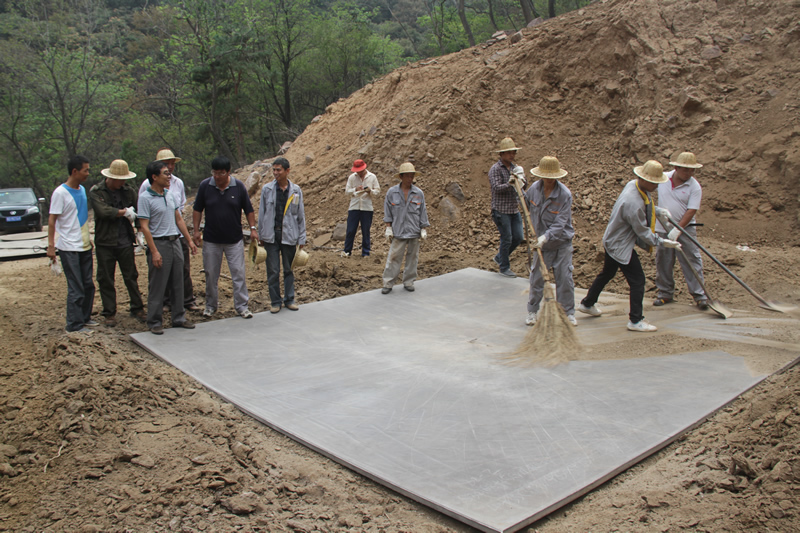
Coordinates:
column 69, row 217
column 680, row 195
column 362, row 185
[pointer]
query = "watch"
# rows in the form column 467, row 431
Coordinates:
column 253, row 227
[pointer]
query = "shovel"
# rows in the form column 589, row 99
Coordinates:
column 715, row 305
column 772, row 306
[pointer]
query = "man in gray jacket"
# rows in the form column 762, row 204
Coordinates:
column 282, row 231
column 632, row 223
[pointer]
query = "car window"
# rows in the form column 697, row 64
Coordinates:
column 17, row 198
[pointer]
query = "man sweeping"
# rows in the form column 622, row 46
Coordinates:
column 632, row 223
column 550, row 205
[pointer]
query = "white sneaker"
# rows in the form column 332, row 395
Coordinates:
column 642, row 325
column 246, row 314
column 531, row 320
column 208, row 313
column 593, row 310
column 572, row 320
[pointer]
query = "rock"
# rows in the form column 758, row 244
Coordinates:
column 535, row 22
column 309, row 159
column 8, row 450
column 323, row 239
column 244, row 503
column 517, row 37
column 711, row 52
column 449, row 210
column 765, row 208
column 252, row 183
column 690, row 102
column 316, row 119
column 454, row 190
column 285, row 147
column 144, row 460
column 365, row 150
column 241, row 451
column 340, row 231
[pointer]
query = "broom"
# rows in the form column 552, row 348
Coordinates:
column 551, row 340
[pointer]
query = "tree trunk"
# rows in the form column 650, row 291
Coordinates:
column 527, row 10
column 551, row 8
column 464, row 22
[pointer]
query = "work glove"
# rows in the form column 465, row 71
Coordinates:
column 662, row 212
column 674, row 234
column 140, row 239
column 130, row 214
column 389, row 233
column 670, row 244
column 540, row 241
column 518, row 172
column 423, row 233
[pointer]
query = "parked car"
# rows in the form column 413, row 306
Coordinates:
column 20, row 210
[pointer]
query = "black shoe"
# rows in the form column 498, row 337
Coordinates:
column 386, row 290
column 186, row 324
column 139, row 315
column 157, row 330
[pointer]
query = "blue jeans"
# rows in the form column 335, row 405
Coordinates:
column 354, row 218
column 510, row 228
column 278, row 254
column 78, row 269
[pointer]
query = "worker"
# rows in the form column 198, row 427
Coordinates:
column 505, row 206
column 362, row 185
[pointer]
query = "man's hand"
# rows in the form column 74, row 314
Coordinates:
column 663, row 213
column 140, row 239
column 158, row 261
column 130, row 214
column 512, row 180
column 196, row 238
column 674, row 234
column 192, row 248
column 389, row 233
column 423, row 233
column 540, row 241
column 51, row 252
column 670, row 244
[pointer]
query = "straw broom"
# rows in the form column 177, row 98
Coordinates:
column 552, row 339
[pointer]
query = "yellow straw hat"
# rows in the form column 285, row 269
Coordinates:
column 549, row 168
column 651, row 171
column 300, row 259
column 405, row 168
column 256, row 254
column 686, row 159
column 506, row 145
column 118, row 170
column 166, row 154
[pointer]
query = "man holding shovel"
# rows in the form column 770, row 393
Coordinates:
column 632, row 223
column 550, row 205
column 680, row 195
column 505, row 210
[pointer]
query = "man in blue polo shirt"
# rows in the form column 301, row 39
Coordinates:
column 161, row 223
column 223, row 198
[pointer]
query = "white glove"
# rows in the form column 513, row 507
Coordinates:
column 389, row 233
column 423, row 233
column 140, row 239
column 674, row 234
column 540, row 241
column 518, row 172
column 670, row 244
column 130, row 214
column 663, row 213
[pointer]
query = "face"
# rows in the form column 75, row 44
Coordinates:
column 114, row 184
column 362, row 173
column 280, row 173
column 82, row 174
column 508, row 157
column 647, row 186
column 221, row 177
column 683, row 174
column 170, row 165
column 407, row 178
column 162, row 178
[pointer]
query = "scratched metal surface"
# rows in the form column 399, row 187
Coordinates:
column 410, row 390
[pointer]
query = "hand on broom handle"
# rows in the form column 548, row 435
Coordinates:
column 529, row 231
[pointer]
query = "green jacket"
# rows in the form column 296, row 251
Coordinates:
column 106, row 221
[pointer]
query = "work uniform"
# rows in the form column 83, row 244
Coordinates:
column 281, row 228
column 360, row 210
column 678, row 199
column 552, row 217
column 408, row 216
column 631, row 224
column 505, row 214
column 114, row 240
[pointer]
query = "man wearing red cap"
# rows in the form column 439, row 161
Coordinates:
column 362, row 185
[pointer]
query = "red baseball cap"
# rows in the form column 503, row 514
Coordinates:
column 358, row 165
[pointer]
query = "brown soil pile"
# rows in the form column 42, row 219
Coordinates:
column 100, row 436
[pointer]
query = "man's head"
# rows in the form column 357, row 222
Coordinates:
column 117, row 174
column 507, row 150
column 154, row 170
column 280, row 169
column 406, row 173
column 360, row 168
column 166, row 156
column 78, row 168
column 221, row 170
column 685, row 166
column 650, row 175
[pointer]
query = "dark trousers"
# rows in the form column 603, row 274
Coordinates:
column 188, row 288
column 277, row 255
column 354, row 218
column 168, row 273
column 77, row 268
column 634, row 275
column 107, row 259
column 511, row 235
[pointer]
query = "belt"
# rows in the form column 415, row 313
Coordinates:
column 167, row 238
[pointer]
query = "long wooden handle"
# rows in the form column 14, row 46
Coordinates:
column 529, row 228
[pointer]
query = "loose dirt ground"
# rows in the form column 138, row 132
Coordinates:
column 98, row 435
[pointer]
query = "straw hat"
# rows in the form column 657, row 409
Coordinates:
column 256, row 254
column 686, row 159
column 506, row 145
column 166, row 154
column 118, row 171
column 549, row 168
column 359, row 165
column 651, row 171
column 405, row 168
column 300, row 259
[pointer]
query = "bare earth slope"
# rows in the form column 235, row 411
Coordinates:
column 97, row 435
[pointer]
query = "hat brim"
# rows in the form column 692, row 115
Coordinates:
column 675, row 164
column 409, row 172
column 548, row 175
column 515, row 149
column 300, row 259
column 256, row 254
column 176, row 159
column 638, row 172
column 107, row 173
column 358, row 169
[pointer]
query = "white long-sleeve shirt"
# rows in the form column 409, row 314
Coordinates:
column 362, row 201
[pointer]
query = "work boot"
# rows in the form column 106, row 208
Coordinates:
column 702, row 304
column 409, row 288
column 139, row 315
column 186, row 324
column 291, row 306
column 111, row 321
column 274, row 308
column 157, row 330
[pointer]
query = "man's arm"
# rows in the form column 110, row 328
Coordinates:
column 185, row 231
column 102, row 209
column 51, row 237
column 251, row 221
column 158, row 261
column 687, row 217
column 196, row 216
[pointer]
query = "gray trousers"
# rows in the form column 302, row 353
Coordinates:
column 409, row 247
column 212, row 264
column 560, row 260
column 172, row 257
column 77, row 268
column 665, row 264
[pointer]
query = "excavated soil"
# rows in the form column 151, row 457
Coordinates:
column 98, row 435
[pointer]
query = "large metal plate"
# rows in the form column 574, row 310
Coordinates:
column 410, row 390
